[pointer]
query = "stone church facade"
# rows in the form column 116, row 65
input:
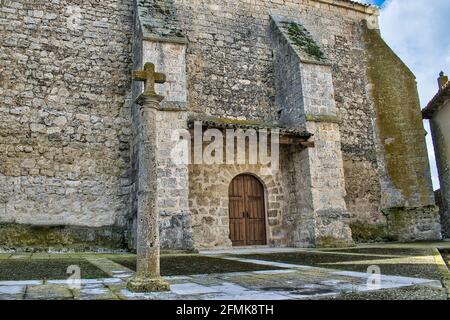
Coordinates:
column 353, row 163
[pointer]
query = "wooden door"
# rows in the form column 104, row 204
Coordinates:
column 247, row 212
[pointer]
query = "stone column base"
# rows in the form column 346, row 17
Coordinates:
column 148, row 285
column 332, row 228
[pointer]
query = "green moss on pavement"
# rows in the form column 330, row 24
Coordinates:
column 46, row 269
column 388, row 251
column 408, row 267
column 446, row 256
column 194, row 264
column 406, row 293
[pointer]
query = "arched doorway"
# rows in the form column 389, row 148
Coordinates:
column 247, row 211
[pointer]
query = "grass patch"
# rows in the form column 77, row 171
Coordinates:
column 193, row 264
column 46, row 269
column 408, row 267
column 387, row 251
column 446, row 256
column 407, row 293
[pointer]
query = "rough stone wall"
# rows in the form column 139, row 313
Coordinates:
column 328, row 186
column 440, row 128
column 65, row 118
column 288, row 81
column 298, row 219
column 66, row 130
column 403, row 160
column 136, row 90
column 173, row 185
column 315, row 214
column 400, row 128
column 231, row 73
column 169, row 58
column 357, row 117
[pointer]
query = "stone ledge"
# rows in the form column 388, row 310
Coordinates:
column 322, row 118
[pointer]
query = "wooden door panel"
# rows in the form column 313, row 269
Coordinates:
column 237, row 212
column 237, row 232
column 256, row 232
column 247, row 211
column 254, row 199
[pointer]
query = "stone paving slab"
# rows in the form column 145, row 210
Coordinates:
column 12, row 290
column 95, row 292
column 294, row 282
column 269, row 285
column 111, row 268
column 21, row 283
column 48, row 292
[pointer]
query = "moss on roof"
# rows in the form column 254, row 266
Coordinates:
column 303, row 40
column 300, row 40
column 158, row 19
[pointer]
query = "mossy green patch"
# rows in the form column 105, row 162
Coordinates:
column 46, row 269
column 194, row 264
column 38, row 238
column 365, row 232
column 158, row 19
column 400, row 221
column 446, row 256
column 409, row 266
column 322, row 118
column 396, row 221
column 407, row 293
column 303, row 40
column 331, row 242
column 398, row 119
column 414, row 252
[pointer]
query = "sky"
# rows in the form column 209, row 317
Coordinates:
column 417, row 30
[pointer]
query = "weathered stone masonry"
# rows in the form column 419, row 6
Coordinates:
column 65, row 122
column 407, row 200
column 68, row 135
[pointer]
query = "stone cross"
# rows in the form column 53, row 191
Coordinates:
column 148, row 278
column 150, row 78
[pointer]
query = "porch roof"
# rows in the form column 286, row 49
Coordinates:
column 228, row 123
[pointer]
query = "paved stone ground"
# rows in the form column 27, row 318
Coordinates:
column 294, row 282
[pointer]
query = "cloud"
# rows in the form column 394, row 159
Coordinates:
column 417, row 30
